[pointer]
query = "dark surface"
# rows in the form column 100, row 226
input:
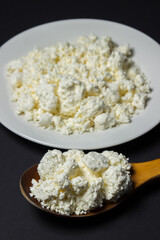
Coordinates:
column 135, row 219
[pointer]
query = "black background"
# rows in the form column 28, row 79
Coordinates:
column 137, row 218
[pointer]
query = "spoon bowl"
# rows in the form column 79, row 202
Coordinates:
column 141, row 174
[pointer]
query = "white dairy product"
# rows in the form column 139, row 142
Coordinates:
column 115, row 177
column 115, row 61
column 121, row 113
column 75, row 182
column 79, row 184
column 104, row 121
column 46, row 97
column 25, row 103
column 70, row 92
column 90, row 107
column 45, row 119
column 95, row 161
column 125, row 49
column 76, row 87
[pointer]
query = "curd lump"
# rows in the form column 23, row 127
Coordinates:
column 80, row 86
column 75, row 183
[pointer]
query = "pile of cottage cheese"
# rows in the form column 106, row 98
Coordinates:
column 75, row 182
column 79, row 86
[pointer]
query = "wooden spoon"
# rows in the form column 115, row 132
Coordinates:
column 141, row 173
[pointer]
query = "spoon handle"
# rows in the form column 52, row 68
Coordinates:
column 145, row 172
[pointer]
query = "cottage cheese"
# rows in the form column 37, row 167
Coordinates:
column 75, row 182
column 76, row 87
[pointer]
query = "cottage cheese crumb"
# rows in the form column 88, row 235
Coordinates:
column 75, row 183
column 76, row 87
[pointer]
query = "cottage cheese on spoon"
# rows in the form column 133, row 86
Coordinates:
column 75, row 183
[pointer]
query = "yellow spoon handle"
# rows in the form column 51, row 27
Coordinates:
column 145, row 171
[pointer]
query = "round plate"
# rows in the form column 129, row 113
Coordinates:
column 146, row 56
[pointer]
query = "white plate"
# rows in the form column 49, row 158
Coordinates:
column 146, row 55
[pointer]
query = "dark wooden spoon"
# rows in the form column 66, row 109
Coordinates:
column 141, row 173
